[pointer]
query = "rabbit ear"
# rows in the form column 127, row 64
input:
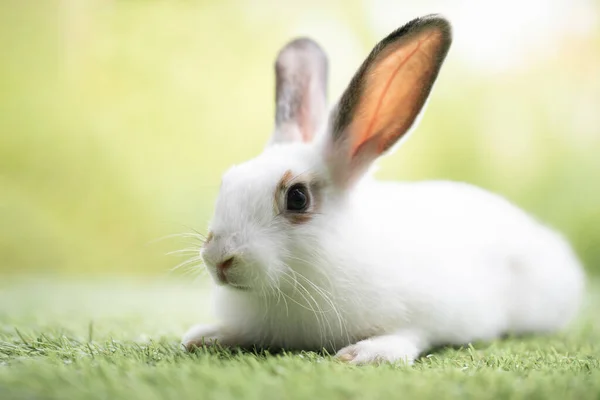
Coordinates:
column 385, row 96
column 300, row 92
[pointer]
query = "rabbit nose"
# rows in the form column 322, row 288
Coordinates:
column 223, row 266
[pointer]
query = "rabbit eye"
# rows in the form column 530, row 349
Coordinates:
column 297, row 199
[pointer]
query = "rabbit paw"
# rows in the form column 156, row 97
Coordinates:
column 381, row 349
column 201, row 335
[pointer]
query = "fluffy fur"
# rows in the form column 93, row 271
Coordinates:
column 381, row 271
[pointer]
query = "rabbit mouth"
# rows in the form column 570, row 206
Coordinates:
column 238, row 287
column 224, row 280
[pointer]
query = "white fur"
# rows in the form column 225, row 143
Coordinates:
column 405, row 265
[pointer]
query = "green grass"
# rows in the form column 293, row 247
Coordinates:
column 119, row 340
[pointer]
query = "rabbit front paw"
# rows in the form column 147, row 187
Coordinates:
column 380, row 349
column 201, row 335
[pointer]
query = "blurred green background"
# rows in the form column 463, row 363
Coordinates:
column 117, row 118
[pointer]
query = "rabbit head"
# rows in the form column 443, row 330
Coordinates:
column 285, row 198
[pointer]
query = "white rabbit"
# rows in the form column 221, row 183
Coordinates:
column 309, row 252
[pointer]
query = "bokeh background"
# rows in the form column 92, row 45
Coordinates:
column 117, row 118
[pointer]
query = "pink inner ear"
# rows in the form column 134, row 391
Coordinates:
column 312, row 110
column 394, row 92
column 304, row 118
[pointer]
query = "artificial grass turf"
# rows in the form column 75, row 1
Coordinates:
column 119, row 340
